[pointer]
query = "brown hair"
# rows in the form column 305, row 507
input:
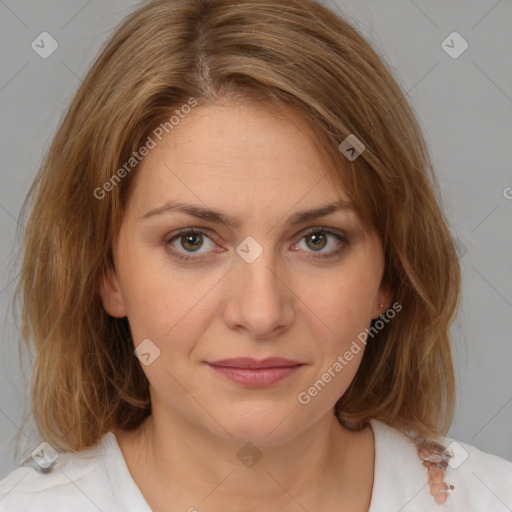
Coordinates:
column 292, row 54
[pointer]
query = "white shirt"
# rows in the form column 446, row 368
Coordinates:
column 97, row 479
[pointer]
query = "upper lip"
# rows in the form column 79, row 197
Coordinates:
column 248, row 362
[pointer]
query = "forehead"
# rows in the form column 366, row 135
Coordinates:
column 241, row 154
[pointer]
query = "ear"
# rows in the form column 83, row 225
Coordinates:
column 111, row 295
column 382, row 302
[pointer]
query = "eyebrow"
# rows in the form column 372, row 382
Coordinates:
column 217, row 217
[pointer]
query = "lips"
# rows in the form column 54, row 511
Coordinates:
column 248, row 362
column 255, row 372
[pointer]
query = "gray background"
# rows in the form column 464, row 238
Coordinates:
column 463, row 104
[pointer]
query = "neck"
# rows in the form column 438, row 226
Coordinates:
column 175, row 461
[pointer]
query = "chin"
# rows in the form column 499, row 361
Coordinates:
column 261, row 423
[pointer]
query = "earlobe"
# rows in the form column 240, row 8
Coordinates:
column 382, row 302
column 111, row 295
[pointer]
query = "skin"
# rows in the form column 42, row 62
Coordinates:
column 251, row 162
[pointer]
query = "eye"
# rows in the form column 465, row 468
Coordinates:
column 191, row 240
column 316, row 239
column 187, row 244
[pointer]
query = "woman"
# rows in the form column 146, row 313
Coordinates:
column 239, row 282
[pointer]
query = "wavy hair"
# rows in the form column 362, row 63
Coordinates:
column 293, row 54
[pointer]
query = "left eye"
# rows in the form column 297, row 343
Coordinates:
column 317, row 239
column 191, row 241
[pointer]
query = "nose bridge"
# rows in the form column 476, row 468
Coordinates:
column 260, row 301
column 258, row 276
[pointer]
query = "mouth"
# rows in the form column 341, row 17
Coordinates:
column 255, row 373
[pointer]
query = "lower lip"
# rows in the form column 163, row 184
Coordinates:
column 257, row 377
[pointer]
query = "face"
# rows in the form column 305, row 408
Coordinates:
column 253, row 281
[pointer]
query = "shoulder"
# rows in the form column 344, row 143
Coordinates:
column 77, row 482
column 481, row 481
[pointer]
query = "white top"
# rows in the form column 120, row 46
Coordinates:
column 97, row 479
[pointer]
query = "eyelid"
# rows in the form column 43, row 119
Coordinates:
column 185, row 231
column 326, row 229
column 302, row 233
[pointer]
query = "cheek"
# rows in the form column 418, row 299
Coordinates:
column 346, row 301
column 340, row 342
column 345, row 309
column 160, row 310
column 172, row 308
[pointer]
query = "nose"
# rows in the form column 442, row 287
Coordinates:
column 258, row 298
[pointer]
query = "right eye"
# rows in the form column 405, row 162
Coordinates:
column 188, row 239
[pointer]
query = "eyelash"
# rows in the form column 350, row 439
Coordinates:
column 315, row 230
